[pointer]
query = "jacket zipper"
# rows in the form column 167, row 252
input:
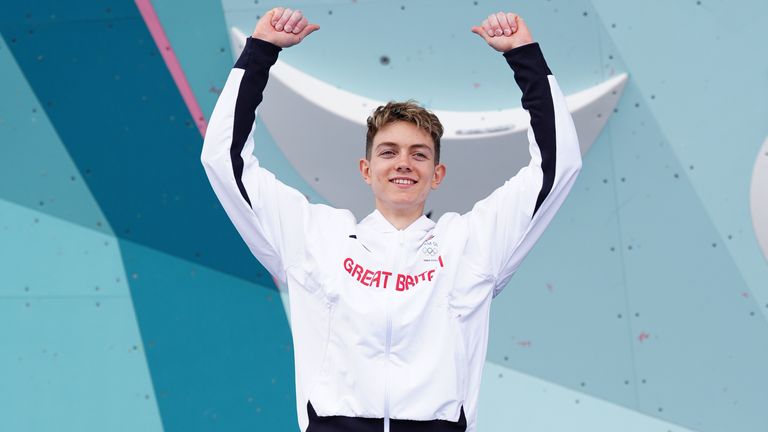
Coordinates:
column 386, row 375
column 398, row 259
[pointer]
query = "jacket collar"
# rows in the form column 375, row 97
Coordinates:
column 377, row 222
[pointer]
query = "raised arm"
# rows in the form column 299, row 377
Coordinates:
column 505, row 226
column 267, row 214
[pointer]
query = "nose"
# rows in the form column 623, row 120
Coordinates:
column 403, row 164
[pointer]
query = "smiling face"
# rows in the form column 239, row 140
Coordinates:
column 402, row 169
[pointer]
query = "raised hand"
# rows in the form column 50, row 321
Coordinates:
column 504, row 31
column 283, row 27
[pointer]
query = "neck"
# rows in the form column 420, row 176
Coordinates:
column 400, row 218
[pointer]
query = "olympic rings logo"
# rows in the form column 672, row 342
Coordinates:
column 429, row 250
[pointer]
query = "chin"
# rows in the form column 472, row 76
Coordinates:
column 405, row 204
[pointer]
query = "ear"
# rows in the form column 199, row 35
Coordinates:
column 439, row 175
column 365, row 170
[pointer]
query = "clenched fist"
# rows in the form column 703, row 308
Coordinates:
column 504, row 31
column 283, row 27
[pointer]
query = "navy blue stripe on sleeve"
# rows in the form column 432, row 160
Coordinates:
column 531, row 73
column 257, row 57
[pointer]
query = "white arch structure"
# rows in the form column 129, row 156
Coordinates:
column 758, row 198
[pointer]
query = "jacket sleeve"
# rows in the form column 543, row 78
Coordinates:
column 504, row 226
column 269, row 215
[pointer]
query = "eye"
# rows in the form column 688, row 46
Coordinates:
column 420, row 156
column 387, row 153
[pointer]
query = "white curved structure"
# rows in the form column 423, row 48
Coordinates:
column 321, row 130
column 758, row 198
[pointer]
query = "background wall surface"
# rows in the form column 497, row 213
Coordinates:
column 128, row 301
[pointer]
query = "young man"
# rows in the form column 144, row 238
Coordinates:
column 390, row 315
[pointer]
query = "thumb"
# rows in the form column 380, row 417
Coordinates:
column 308, row 30
column 480, row 32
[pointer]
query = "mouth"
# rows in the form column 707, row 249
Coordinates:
column 403, row 181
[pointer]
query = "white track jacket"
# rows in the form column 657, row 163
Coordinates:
column 390, row 327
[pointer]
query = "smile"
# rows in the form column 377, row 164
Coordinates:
column 403, row 181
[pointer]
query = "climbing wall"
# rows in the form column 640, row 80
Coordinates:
column 128, row 301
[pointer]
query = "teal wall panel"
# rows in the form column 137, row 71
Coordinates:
column 705, row 84
column 219, row 347
column 71, row 356
column 36, row 169
column 533, row 404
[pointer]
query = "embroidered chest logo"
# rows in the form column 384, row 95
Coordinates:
column 429, row 251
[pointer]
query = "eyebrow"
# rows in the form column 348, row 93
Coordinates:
column 412, row 146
